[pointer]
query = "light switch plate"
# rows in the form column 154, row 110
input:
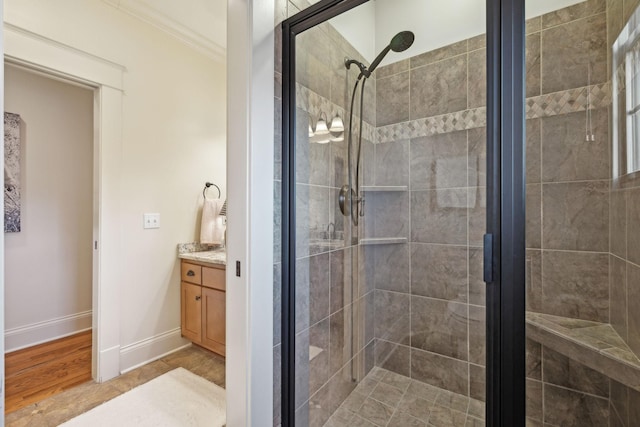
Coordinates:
column 151, row 220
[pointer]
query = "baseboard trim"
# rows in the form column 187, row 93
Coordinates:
column 145, row 351
column 109, row 364
column 49, row 330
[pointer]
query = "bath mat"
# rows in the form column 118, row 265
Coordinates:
column 178, row 398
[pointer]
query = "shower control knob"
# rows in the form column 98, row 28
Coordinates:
column 345, row 199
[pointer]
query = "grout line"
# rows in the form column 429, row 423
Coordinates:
column 595, row 396
column 425, row 297
column 582, row 18
column 547, row 250
column 426, row 351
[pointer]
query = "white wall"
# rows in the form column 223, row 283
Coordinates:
column 48, row 263
column 358, row 25
column 174, row 139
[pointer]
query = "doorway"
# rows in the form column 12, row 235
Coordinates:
column 48, row 256
column 54, row 59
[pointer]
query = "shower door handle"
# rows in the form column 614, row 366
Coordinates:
column 488, row 258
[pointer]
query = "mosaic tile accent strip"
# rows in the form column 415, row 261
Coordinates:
column 446, row 123
column 564, row 102
column 552, row 104
column 568, row 101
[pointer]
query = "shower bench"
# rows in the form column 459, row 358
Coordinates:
column 594, row 344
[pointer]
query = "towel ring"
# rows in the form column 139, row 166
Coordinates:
column 207, row 185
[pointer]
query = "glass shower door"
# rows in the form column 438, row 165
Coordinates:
column 390, row 212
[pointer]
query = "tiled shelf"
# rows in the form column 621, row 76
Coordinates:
column 383, row 241
column 595, row 345
column 384, row 188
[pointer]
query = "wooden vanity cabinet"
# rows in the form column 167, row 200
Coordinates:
column 191, row 311
column 202, row 302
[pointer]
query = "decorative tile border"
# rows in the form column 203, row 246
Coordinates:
column 446, row 123
column 552, row 104
column 568, row 101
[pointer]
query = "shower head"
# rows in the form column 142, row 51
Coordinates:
column 399, row 43
column 402, row 41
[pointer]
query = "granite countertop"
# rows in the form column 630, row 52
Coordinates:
column 194, row 252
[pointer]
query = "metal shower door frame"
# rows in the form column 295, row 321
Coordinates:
column 505, row 239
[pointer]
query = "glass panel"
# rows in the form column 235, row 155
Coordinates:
column 391, row 301
column 582, row 252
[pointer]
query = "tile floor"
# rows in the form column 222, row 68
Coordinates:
column 66, row 405
column 386, row 399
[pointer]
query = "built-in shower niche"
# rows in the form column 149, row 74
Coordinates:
column 386, row 215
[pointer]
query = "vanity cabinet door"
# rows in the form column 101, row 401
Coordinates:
column 191, row 301
column 213, row 320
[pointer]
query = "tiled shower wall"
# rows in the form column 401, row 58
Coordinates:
column 429, row 296
column 568, row 177
column 568, row 181
column 429, row 293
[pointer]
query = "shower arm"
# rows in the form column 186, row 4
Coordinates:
column 363, row 68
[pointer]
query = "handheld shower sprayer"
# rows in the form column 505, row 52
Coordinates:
column 351, row 204
column 399, row 43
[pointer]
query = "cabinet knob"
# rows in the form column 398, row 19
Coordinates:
column 198, row 298
column 191, row 273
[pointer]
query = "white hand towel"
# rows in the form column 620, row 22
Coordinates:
column 212, row 226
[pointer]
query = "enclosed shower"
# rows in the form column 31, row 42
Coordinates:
column 388, row 215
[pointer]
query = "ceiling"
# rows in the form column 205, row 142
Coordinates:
column 202, row 24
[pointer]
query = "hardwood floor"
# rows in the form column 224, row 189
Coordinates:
column 57, row 409
column 39, row 372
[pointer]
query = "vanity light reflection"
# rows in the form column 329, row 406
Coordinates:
column 324, row 134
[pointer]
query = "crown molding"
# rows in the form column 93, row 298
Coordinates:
column 170, row 26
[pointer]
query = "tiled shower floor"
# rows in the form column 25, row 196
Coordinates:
column 386, row 399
